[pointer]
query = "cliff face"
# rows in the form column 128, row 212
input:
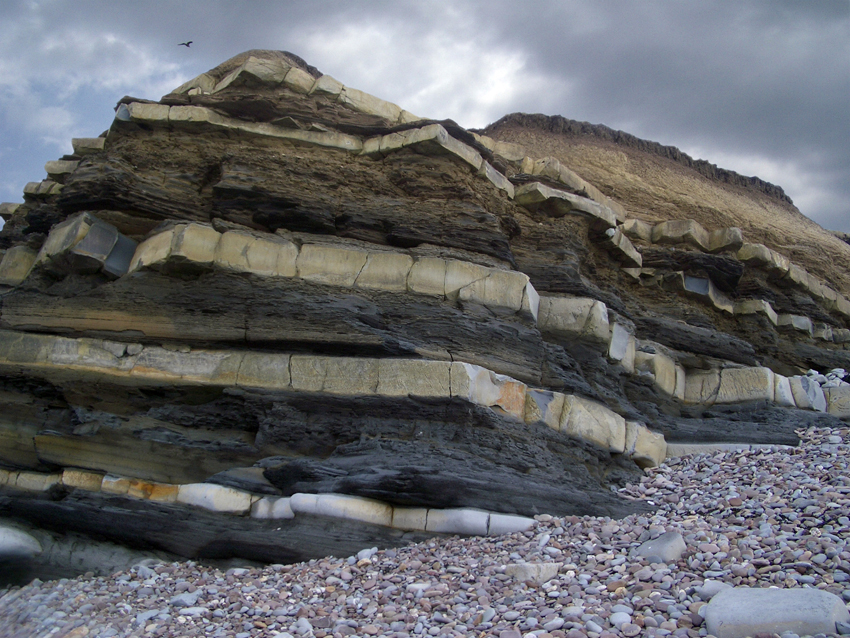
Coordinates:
column 274, row 317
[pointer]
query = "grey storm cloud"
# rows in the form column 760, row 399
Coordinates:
column 759, row 87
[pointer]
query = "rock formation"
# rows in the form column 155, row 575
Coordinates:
column 270, row 303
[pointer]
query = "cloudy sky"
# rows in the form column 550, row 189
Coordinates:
column 761, row 87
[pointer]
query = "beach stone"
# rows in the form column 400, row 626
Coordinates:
column 740, row 612
column 535, row 572
column 669, row 547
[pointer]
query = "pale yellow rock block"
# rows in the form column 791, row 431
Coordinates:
column 255, row 71
column 327, row 86
column 88, row 145
column 622, row 249
column 403, row 377
column 526, row 166
column 838, row 401
column 500, row 288
column 159, row 492
column 406, row 117
column 307, row 373
column 702, row 387
column 89, row 481
column 531, row 302
column 509, row 151
column 194, row 115
column 638, row 230
column 350, row 376
column 761, row 256
column 725, row 239
column 372, row 147
column 756, row 306
column 385, row 271
column 783, row 395
column 335, row 375
column 643, row 446
column 264, row 370
column 394, row 141
column 410, row 518
column 232, row 251
column 532, row 196
column 571, row 180
column 621, row 348
column 428, row 277
column 486, row 388
column 365, row 103
column 36, row 481
column 270, row 507
column 681, row 383
column 195, row 243
column 544, row 406
column 198, row 367
column 465, row 521
column 746, row 384
column 681, row 231
column 216, row 498
column 497, row 179
column 460, row 274
column 154, row 250
column 65, row 236
column 500, row 524
column 206, row 83
column 16, row 265
column 147, row 113
column 463, row 152
column 298, row 81
column 60, row 168
column 843, row 305
column 330, row 265
column 353, row 508
column 115, row 485
column 574, row 316
column 547, row 167
column 9, row 478
column 272, row 257
column 594, row 423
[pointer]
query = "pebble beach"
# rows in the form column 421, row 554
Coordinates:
column 773, row 517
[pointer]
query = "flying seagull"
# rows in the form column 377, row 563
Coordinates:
column 185, row 44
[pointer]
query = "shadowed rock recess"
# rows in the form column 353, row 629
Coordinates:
column 272, row 317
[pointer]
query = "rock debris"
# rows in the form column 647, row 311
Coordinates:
column 763, row 518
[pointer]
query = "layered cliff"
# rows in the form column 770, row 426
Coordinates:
column 269, row 303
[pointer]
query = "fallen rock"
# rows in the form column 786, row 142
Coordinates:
column 741, row 612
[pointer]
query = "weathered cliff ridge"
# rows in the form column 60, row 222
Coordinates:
column 269, row 303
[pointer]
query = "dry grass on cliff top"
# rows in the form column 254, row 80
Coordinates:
column 655, row 189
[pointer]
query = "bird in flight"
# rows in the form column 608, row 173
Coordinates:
column 185, row 44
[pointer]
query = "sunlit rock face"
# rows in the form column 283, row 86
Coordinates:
column 274, row 317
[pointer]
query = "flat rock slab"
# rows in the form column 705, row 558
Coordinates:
column 668, row 547
column 740, row 612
